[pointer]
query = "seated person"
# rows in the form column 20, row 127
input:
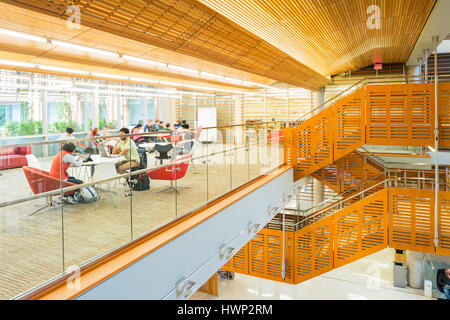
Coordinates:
column 167, row 127
column 61, row 163
column 127, row 148
column 68, row 135
column 185, row 145
column 443, row 281
column 148, row 126
column 177, row 124
column 95, row 133
column 155, row 127
column 136, row 129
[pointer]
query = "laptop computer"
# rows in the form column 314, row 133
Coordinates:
column 87, row 157
column 104, row 152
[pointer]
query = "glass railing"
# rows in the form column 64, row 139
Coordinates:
column 57, row 217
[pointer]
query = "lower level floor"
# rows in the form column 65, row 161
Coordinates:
column 370, row 278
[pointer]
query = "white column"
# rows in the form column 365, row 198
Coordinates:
column 118, row 105
column 44, row 117
column 95, row 109
column 86, row 111
column 318, row 98
column 318, row 188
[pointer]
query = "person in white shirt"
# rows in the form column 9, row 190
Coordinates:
column 68, row 135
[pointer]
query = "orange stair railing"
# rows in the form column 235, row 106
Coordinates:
column 395, row 114
column 400, row 218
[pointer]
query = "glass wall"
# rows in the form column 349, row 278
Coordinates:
column 58, row 211
column 48, row 223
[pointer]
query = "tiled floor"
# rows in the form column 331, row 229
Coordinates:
column 369, row 278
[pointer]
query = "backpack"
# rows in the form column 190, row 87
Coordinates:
column 141, row 182
column 143, row 155
column 86, row 195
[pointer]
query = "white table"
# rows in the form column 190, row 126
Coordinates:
column 96, row 159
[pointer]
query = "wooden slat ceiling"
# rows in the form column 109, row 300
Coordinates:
column 331, row 36
column 36, row 23
column 188, row 27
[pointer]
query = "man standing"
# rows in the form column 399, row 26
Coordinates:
column 127, row 148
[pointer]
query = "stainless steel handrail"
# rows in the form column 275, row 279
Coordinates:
column 359, row 82
column 67, row 189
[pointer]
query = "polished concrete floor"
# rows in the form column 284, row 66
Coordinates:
column 370, row 278
column 35, row 248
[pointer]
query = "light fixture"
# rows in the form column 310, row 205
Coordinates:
column 212, row 75
column 59, row 69
column 84, row 48
column 136, row 59
column 183, row 69
column 17, row 63
column 21, row 35
column 144, row 80
column 127, row 57
column 108, row 75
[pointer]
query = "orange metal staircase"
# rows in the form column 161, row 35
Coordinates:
column 390, row 210
column 393, row 217
column 396, row 114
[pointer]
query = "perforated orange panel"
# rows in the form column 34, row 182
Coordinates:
column 444, row 114
column 360, row 229
column 313, row 145
column 266, row 256
column 400, row 114
column 313, row 251
column 354, row 170
column 349, row 126
column 210, row 286
column 289, row 257
column 289, row 145
column 346, row 173
column 239, row 262
column 329, row 175
column 411, row 219
column 444, row 223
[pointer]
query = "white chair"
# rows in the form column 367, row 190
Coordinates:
column 33, row 161
column 105, row 170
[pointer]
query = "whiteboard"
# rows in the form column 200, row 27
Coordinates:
column 207, row 117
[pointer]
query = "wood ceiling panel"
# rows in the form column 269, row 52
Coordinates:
column 187, row 27
column 331, row 36
column 44, row 25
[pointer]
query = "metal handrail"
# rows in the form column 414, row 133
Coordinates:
column 387, row 180
column 150, row 134
column 340, row 202
column 116, row 177
column 367, row 80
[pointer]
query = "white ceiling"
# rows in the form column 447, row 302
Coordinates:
column 438, row 24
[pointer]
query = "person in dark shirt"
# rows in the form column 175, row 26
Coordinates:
column 177, row 124
column 155, row 126
column 148, row 126
column 443, row 281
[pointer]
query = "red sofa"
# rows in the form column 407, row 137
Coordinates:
column 13, row 157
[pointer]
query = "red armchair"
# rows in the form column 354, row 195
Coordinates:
column 171, row 173
column 13, row 157
column 40, row 181
column 276, row 136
